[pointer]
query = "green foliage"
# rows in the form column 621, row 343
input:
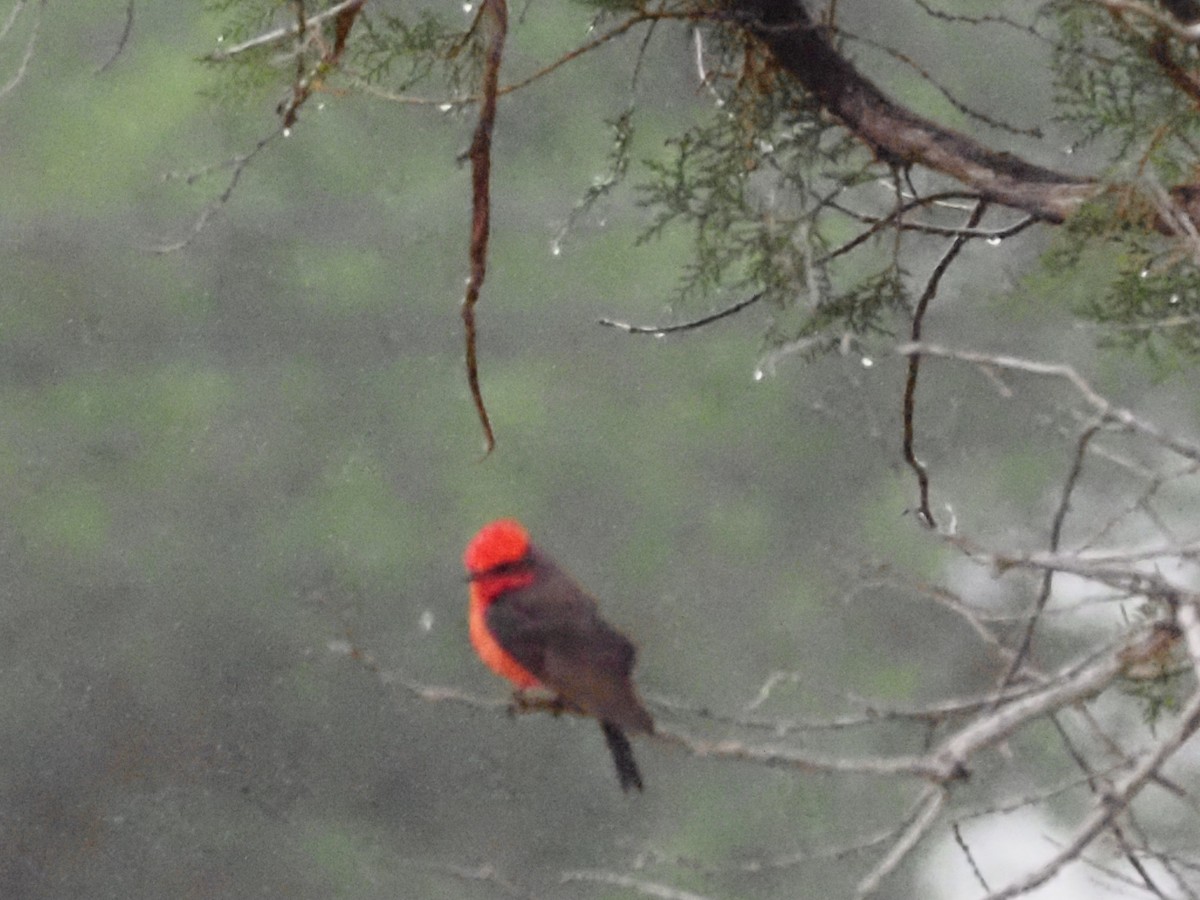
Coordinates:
column 753, row 183
column 1143, row 292
column 244, row 76
column 1157, row 697
column 405, row 52
column 750, row 185
column 1109, row 87
column 756, row 184
column 1113, row 84
column 1156, row 312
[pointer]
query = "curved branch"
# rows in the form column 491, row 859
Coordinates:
column 1123, row 791
column 897, row 135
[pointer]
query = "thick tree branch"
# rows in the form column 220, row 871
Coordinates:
column 900, row 137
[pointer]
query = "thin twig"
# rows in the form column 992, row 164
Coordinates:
column 27, row 55
column 122, row 41
column 640, row 885
column 930, row 804
column 924, row 513
column 1060, row 515
column 239, row 164
column 660, row 330
column 486, row 873
column 954, row 101
column 495, row 14
column 280, row 34
column 1109, row 411
column 799, row 857
column 956, row 828
column 451, row 103
column 894, row 219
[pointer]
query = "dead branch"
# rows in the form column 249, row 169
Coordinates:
column 932, row 800
column 30, row 43
column 494, row 15
column 1104, row 407
column 1114, row 802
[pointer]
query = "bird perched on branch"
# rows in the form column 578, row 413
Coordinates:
column 532, row 624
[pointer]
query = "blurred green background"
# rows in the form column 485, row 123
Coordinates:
column 219, row 463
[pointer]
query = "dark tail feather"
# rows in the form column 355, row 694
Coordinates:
column 622, row 754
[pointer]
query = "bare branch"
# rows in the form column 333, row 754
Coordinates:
column 30, row 42
column 660, row 330
column 1071, row 685
column 239, row 164
column 930, row 804
column 122, row 41
column 1056, row 527
column 1114, row 802
column 1106, row 409
column 871, row 714
column 641, row 886
column 786, row 757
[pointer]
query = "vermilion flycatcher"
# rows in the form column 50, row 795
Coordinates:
column 531, row 623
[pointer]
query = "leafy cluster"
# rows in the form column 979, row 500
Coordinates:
column 245, row 76
column 1156, row 312
column 1112, row 86
column 753, row 183
column 423, row 47
column 1144, row 288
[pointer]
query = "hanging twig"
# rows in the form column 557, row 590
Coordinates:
column 914, row 364
column 494, row 14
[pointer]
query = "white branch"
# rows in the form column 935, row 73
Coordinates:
column 1102, row 405
column 931, row 804
column 1113, row 802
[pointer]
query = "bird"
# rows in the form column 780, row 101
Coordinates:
column 532, row 624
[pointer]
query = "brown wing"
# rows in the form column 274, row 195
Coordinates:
column 553, row 629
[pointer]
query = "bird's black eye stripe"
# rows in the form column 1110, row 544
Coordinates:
column 513, row 565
